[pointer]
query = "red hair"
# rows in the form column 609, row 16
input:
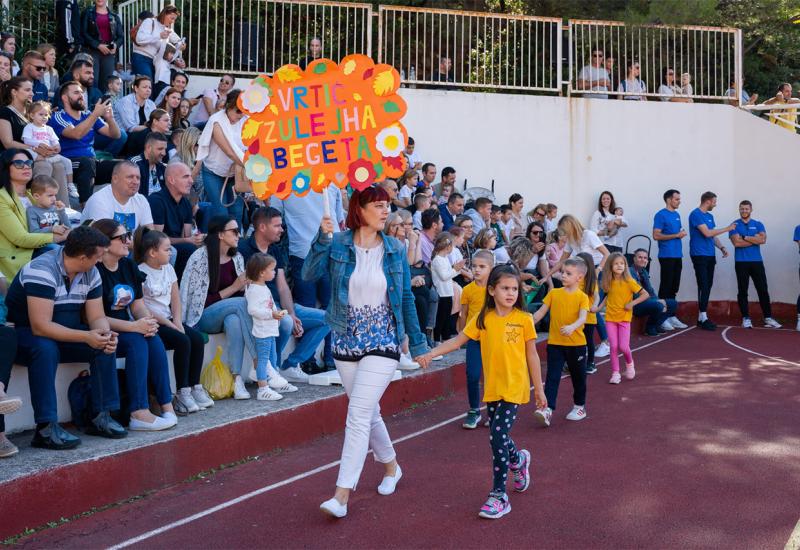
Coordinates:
column 359, row 200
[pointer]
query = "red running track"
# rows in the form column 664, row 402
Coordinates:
column 699, row 451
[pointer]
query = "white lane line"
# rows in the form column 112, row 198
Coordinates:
column 728, row 340
column 309, row 473
column 794, row 539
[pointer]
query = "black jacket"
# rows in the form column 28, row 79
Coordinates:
column 91, row 36
column 68, row 26
column 144, row 173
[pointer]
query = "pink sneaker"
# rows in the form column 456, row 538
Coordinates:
column 615, row 378
column 630, row 372
column 496, row 506
column 521, row 471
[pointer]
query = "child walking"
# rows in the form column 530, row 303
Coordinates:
column 508, row 351
column 620, row 289
column 472, row 298
column 443, row 273
column 151, row 251
column 37, row 132
column 566, row 343
column 591, row 289
column 266, row 321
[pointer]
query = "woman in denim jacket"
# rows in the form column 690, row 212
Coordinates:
column 370, row 313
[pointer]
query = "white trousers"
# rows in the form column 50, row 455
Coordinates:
column 364, row 381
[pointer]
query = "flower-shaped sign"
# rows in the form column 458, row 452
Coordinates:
column 328, row 124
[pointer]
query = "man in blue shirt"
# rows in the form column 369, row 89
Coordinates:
column 453, row 209
column 747, row 237
column 76, row 128
column 33, row 67
column 668, row 232
column 702, row 240
column 658, row 311
column 797, row 240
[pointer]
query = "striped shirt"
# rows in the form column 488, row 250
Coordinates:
column 75, row 148
column 46, row 277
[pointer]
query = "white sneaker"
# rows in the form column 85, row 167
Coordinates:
column 239, row 391
column 747, row 323
column 73, row 191
column 666, row 325
column 771, row 323
column 201, row 397
column 543, row 416
column 170, row 417
column 675, row 322
column 798, row 325
column 616, row 378
column 389, row 483
column 333, row 508
column 265, row 393
column 603, row 350
column 295, row 374
column 406, row 363
column 577, row 413
column 437, row 358
column 184, row 397
column 155, row 426
column 280, row 384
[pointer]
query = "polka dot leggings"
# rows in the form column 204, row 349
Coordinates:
column 501, row 417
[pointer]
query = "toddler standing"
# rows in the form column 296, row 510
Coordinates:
column 37, row 132
column 443, row 274
column 566, row 343
column 266, row 321
column 508, row 352
column 472, row 299
column 620, row 289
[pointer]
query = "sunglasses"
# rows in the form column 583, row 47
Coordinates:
column 124, row 237
column 539, row 213
column 235, row 230
column 537, row 232
column 22, row 164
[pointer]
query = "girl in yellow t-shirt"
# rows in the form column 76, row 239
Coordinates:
column 473, row 297
column 589, row 287
column 620, row 289
column 508, row 350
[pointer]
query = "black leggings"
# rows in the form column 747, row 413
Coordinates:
column 502, row 415
column 8, row 350
column 588, row 331
column 188, row 356
column 441, row 331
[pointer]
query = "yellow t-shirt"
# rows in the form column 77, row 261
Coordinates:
column 473, row 296
column 565, row 307
column 591, row 318
column 619, row 294
column 505, row 363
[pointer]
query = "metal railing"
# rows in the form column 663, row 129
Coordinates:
column 709, row 56
column 247, row 36
column 781, row 114
column 461, row 49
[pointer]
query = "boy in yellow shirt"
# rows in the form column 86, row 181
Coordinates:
column 472, row 298
column 566, row 342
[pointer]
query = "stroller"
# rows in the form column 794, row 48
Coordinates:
column 629, row 251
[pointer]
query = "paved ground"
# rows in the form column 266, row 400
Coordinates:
column 701, row 450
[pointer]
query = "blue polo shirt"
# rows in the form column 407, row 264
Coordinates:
column 75, row 148
column 797, row 233
column 669, row 222
column 749, row 229
column 700, row 245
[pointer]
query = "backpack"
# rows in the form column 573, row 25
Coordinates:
column 79, row 395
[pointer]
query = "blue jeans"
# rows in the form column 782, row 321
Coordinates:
column 265, row 350
column 230, row 316
column 653, row 310
column 314, row 331
column 112, row 146
column 213, row 186
column 474, row 368
column 142, row 65
column 42, row 356
column 307, row 293
column 145, row 361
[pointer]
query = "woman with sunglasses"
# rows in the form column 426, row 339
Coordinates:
column 669, row 90
column 212, row 295
column 138, row 341
column 17, row 245
column 213, row 100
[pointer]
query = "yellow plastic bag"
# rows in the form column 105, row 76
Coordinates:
column 217, row 378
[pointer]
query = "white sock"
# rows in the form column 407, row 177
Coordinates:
column 702, row 317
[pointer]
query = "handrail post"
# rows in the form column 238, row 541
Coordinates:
column 738, row 69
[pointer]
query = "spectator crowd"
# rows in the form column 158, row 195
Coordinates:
column 121, row 236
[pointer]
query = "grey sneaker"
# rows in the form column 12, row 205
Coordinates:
column 201, row 397
column 7, row 448
column 472, row 419
column 185, row 398
column 295, row 374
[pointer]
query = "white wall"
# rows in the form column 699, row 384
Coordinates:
column 566, row 151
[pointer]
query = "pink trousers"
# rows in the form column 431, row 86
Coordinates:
column 619, row 340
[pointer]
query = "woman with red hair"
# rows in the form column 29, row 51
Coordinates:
column 370, row 313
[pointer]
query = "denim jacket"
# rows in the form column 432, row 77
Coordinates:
column 336, row 256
